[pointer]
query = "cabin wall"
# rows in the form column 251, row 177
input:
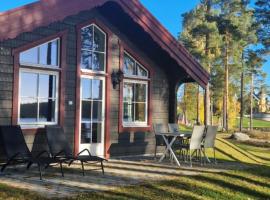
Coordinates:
column 122, row 144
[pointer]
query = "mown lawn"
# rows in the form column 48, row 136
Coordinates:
column 250, row 182
column 256, row 123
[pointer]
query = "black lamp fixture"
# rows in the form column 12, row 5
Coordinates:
column 117, row 77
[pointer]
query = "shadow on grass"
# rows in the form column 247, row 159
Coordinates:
column 241, row 177
column 232, row 186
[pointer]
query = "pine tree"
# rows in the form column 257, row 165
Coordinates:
column 262, row 12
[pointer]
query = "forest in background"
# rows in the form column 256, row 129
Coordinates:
column 231, row 39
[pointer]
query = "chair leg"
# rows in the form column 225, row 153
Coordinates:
column 29, row 165
column 39, row 169
column 82, row 167
column 190, row 158
column 215, row 160
column 156, row 152
column 4, row 167
column 61, row 168
column 200, row 156
column 102, row 167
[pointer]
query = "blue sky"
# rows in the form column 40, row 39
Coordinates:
column 169, row 14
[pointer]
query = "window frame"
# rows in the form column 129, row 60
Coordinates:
column 62, row 35
column 136, row 123
column 136, row 79
column 95, row 25
column 136, row 62
column 56, row 113
column 42, row 66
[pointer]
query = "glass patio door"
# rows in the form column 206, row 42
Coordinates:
column 92, row 114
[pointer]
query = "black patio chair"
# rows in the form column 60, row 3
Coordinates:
column 17, row 152
column 59, row 148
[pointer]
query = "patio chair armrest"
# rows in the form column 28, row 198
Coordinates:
column 85, row 150
column 43, row 152
column 59, row 153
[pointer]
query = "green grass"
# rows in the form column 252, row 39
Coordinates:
column 256, row 123
column 246, row 181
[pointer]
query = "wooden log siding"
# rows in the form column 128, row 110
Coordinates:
column 120, row 144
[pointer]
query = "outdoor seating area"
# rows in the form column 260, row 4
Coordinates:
column 17, row 151
column 185, row 146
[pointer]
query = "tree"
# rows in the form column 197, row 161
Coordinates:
column 254, row 62
column 262, row 13
column 200, row 36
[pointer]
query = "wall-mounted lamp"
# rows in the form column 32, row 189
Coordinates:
column 117, row 77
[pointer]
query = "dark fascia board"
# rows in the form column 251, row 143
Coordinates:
column 44, row 12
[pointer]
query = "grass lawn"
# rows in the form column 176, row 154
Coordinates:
column 251, row 182
column 256, row 123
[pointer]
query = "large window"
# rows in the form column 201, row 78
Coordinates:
column 93, row 49
column 38, row 85
column 135, row 93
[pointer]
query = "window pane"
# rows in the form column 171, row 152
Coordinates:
column 47, row 86
column 85, row 133
column 97, row 111
column 99, row 40
column 46, row 110
column 86, row 88
column 86, row 60
column 129, row 65
column 28, row 112
column 48, row 53
column 98, row 62
column 55, row 52
column 128, row 112
column 140, row 92
column 97, row 89
column 28, row 84
column 86, row 111
column 141, row 71
column 140, row 110
column 96, row 132
column 87, row 38
column 29, row 56
column 128, row 92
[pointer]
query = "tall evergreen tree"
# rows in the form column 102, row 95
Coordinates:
column 262, row 12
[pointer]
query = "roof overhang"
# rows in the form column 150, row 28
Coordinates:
column 45, row 12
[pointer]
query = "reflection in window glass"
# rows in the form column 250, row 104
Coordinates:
column 129, row 66
column 28, row 84
column 46, row 110
column 87, row 37
column 30, row 56
column 28, row 112
column 46, row 54
column 91, row 110
column 37, row 98
column 47, row 86
column 99, row 40
column 98, row 62
column 134, row 102
column 133, row 68
column 93, row 52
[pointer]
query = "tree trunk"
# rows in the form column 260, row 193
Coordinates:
column 207, row 111
column 226, row 88
column 251, row 102
column 242, row 102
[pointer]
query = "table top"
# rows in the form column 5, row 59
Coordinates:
column 177, row 134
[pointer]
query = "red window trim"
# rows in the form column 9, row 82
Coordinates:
column 62, row 76
column 107, row 86
column 125, row 48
